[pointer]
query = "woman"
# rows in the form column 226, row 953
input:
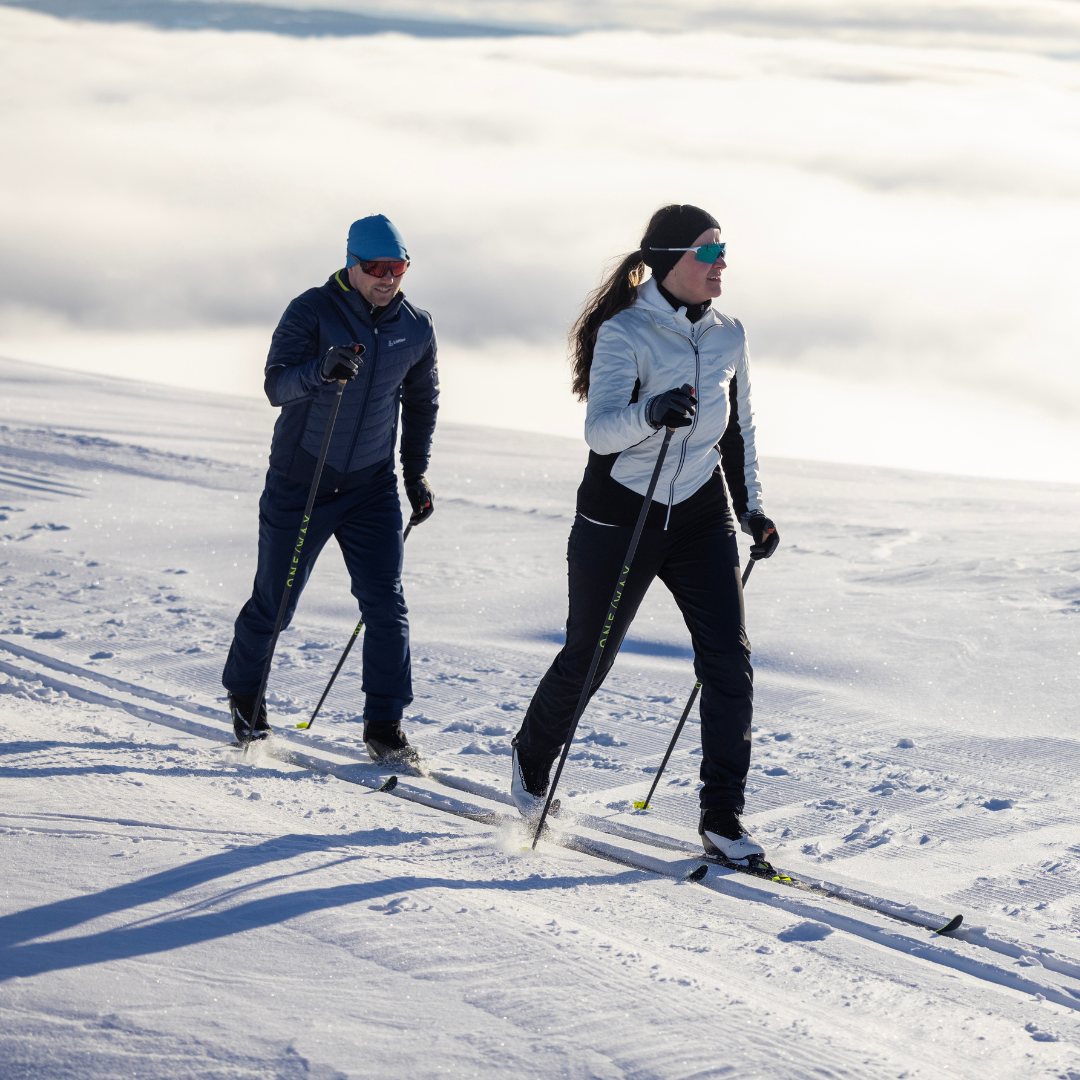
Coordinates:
column 648, row 357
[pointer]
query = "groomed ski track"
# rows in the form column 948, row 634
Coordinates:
column 894, row 926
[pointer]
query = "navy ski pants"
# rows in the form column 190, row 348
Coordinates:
column 699, row 563
column 366, row 523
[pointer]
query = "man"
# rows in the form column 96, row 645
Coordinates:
column 315, row 346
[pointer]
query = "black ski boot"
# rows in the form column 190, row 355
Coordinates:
column 387, row 745
column 529, row 785
column 241, row 707
column 724, row 837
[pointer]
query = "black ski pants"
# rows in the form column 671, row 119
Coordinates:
column 366, row 521
column 699, row 563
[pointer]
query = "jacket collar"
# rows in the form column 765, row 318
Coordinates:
column 341, row 289
column 650, row 300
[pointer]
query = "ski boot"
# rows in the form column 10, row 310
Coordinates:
column 241, row 707
column 387, row 745
column 529, row 785
column 728, row 843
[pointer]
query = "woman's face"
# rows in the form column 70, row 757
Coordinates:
column 695, row 282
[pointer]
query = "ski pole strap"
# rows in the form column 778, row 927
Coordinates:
column 609, row 622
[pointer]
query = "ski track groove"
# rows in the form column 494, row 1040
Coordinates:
column 640, row 738
column 855, row 774
column 727, row 884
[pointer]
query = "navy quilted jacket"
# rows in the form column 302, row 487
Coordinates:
column 399, row 368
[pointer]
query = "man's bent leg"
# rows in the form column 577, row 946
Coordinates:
column 281, row 510
column 371, row 543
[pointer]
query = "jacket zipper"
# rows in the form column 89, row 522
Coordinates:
column 364, row 405
column 686, row 438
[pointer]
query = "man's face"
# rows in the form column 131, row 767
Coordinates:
column 375, row 290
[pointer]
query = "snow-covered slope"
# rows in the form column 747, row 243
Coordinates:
column 171, row 910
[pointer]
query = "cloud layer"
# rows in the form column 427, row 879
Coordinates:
column 895, row 211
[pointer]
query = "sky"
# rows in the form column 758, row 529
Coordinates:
column 900, row 200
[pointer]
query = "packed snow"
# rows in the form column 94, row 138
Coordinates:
column 898, row 189
column 173, row 909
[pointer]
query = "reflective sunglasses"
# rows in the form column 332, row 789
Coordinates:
column 381, row 267
column 706, row 253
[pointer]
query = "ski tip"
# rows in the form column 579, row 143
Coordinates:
column 953, row 924
column 698, row 874
column 641, row 805
column 303, row 726
column 389, row 785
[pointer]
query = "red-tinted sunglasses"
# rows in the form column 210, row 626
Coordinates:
column 381, row 267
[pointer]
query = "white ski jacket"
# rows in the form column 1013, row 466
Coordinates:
column 648, row 349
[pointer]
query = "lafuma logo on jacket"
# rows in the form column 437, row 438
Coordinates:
column 396, row 341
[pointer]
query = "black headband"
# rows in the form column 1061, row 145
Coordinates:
column 678, row 228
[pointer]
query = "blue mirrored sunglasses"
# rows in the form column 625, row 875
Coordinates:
column 706, row 253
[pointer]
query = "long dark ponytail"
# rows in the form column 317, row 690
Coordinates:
column 666, row 228
column 616, row 293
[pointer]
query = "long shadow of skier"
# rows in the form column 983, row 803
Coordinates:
column 105, row 769
column 178, row 928
column 63, row 914
column 32, row 747
column 164, row 935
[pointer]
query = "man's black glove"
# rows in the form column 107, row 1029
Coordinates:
column 342, row 362
column 674, row 409
column 761, row 528
column 421, row 497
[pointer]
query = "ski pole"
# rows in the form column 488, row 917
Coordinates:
column 682, row 720
column 671, row 746
column 305, row 724
column 583, row 700
column 295, row 561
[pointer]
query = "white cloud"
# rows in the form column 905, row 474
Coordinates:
column 1037, row 25
column 895, row 210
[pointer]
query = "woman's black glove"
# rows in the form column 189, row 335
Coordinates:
column 674, row 409
column 342, row 362
column 761, row 528
column 421, row 497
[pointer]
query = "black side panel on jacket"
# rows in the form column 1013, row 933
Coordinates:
column 607, row 502
column 733, row 453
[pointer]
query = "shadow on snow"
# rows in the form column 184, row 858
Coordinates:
column 182, row 927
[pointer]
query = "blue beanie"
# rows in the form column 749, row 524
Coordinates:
column 374, row 237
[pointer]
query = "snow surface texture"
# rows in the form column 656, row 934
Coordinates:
column 172, row 910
